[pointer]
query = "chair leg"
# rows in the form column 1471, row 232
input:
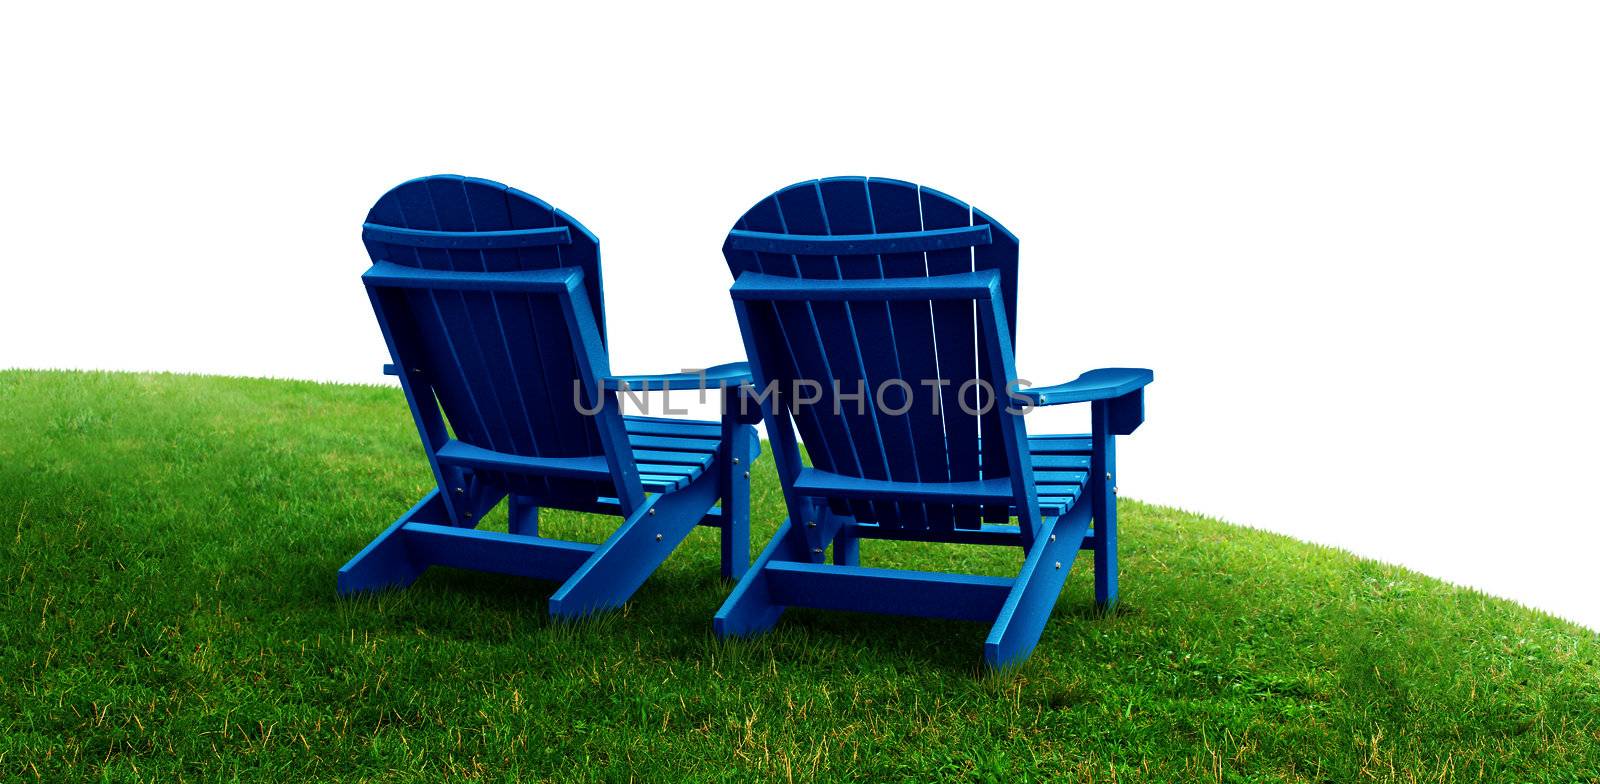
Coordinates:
column 846, row 547
column 1105, row 556
column 522, row 516
column 386, row 562
column 1033, row 594
column 749, row 608
column 381, row 565
column 738, row 452
column 1103, row 497
column 645, row 539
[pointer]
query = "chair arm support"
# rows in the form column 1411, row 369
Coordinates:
column 732, row 374
column 1102, row 384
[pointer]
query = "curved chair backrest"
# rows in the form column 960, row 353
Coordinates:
column 501, row 358
column 869, row 228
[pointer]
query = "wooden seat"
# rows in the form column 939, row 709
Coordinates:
column 671, row 453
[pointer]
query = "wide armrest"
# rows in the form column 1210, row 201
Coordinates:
column 732, row 374
column 1102, row 384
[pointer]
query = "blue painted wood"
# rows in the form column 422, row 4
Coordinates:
column 822, row 484
column 385, row 274
column 733, row 487
column 1103, row 497
column 1021, row 621
column 492, row 551
column 723, row 376
column 490, row 303
column 776, row 288
column 985, row 535
column 456, row 453
column 859, row 244
column 466, row 240
column 1102, row 384
column 626, row 559
column 522, row 516
column 849, row 280
column 899, row 591
column 750, row 607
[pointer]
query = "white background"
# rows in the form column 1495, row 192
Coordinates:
column 1356, row 242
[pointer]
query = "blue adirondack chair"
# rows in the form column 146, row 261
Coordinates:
column 853, row 284
column 490, row 302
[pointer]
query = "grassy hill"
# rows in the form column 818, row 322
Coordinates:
column 168, row 547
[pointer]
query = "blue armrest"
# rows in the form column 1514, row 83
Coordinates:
column 1122, row 389
column 1102, row 384
column 732, row 374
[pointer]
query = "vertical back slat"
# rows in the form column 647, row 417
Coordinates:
column 1000, row 255
column 954, row 332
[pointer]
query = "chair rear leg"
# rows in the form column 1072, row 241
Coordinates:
column 846, row 546
column 386, row 562
column 619, row 566
column 522, row 516
column 749, row 608
column 1033, row 595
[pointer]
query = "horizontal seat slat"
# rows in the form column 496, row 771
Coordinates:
column 466, row 240
column 672, row 443
column 1045, row 478
column 671, row 458
column 671, row 427
column 1056, row 445
column 669, row 470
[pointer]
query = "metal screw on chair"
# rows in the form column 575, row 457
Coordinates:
column 811, row 524
column 1113, row 490
column 736, row 461
column 817, row 550
column 1052, row 537
column 652, row 512
column 658, row 537
column 1108, row 476
column 1058, row 564
column 459, row 491
column 747, row 474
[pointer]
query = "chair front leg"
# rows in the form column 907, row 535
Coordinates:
column 737, row 452
column 1103, row 496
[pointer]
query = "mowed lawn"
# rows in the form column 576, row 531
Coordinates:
column 168, row 546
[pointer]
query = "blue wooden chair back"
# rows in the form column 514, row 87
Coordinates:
column 853, row 228
column 499, row 356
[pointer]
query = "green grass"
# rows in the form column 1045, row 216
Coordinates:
column 168, row 547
